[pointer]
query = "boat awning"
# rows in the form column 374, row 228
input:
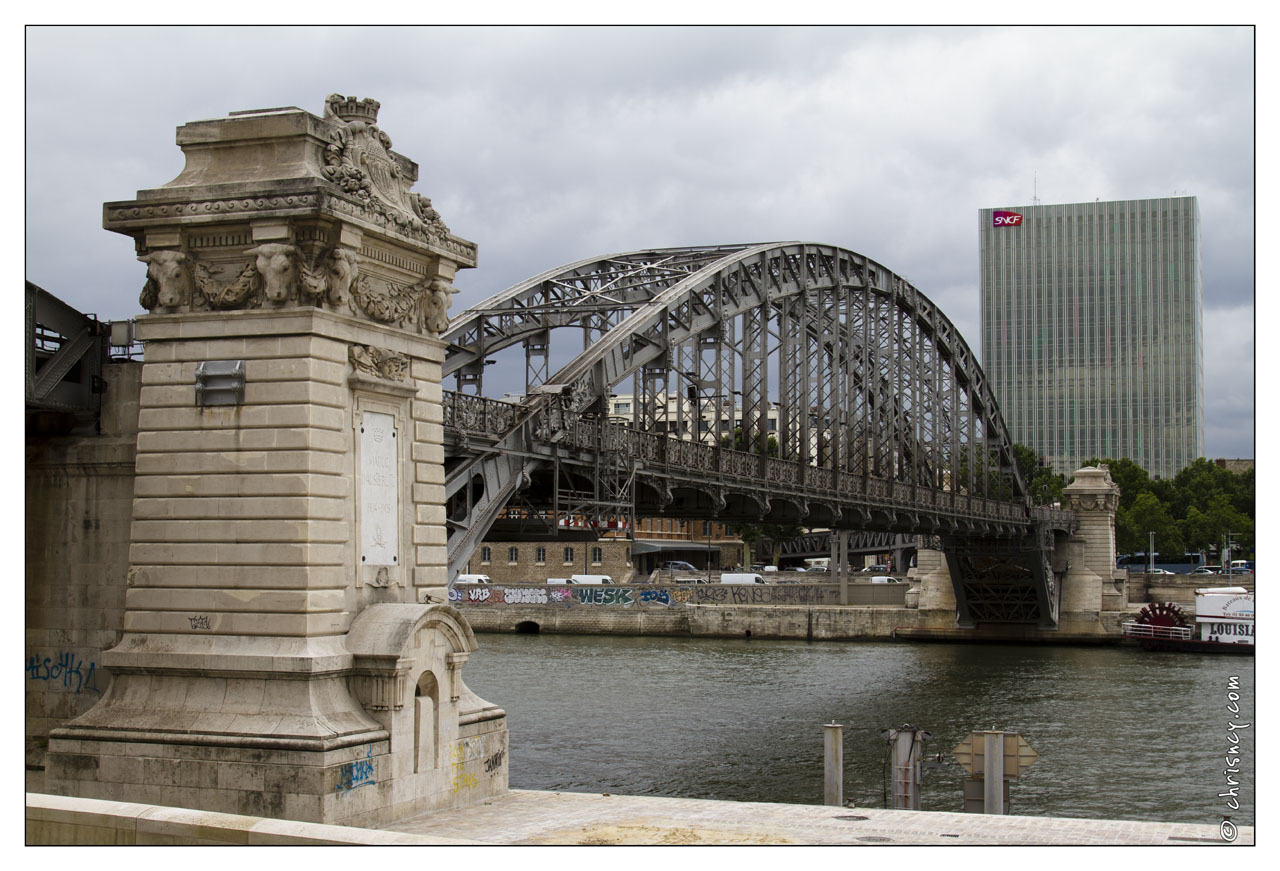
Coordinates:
column 639, row 547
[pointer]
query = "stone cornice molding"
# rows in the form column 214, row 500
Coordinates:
column 280, row 208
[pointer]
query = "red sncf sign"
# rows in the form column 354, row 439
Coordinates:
column 1005, row 219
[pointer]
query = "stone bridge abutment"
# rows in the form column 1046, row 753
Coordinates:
column 282, row 652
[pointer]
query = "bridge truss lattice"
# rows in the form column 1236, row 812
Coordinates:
column 790, row 382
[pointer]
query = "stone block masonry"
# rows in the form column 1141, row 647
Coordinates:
column 79, row 491
column 281, row 653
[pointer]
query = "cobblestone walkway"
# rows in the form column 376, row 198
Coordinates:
column 534, row 817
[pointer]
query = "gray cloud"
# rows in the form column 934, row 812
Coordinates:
column 545, row 145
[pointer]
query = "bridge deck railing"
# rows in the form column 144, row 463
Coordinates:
column 494, row 418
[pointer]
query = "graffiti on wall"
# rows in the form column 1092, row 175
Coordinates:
column 752, row 594
column 647, row 597
column 66, row 670
column 493, row 762
column 356, row 774
column 603, row 596
column 462, row 752
column 525, row 596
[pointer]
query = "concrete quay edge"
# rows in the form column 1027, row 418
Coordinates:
column 537, row 817
column 529, row 817
column 70, row 820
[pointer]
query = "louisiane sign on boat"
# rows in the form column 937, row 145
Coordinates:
column 1225, row 615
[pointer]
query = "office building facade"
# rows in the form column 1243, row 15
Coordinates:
column 1092, row 338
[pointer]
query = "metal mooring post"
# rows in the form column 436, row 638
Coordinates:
column 993, row 772
column 833, row 765
column 842, row 548
column 906, row 745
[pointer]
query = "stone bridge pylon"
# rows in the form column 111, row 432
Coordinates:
column 281, row 654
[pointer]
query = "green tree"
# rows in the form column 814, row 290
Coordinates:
column 1148, row 514
column 1201, row 481
column 1208, row 528
column 1042, row 484
column 775, row 533
column 738, row 442
column 750, row 533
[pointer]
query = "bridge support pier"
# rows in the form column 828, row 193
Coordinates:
column 1091, row 550
column 936, row 592
column 280, row 655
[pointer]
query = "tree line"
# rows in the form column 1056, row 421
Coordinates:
column 1193, row 511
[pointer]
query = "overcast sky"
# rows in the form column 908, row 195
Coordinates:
column 547, row 145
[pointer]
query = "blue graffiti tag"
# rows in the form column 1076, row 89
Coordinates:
column 661, row 596
column 356, row 774
column 66, row 668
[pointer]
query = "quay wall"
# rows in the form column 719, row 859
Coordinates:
column 1179, row 589
column 758, row 610
column 79, row 505
column 785, row 611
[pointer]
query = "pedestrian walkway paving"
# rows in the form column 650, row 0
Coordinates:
column 537, row 817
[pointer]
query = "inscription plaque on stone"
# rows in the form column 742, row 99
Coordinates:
column 379, row 490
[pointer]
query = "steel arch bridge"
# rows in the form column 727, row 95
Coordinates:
column 786, row 382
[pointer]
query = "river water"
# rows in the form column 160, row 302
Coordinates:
column 1121, row 733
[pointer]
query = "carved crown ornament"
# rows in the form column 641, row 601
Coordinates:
column 351, row 175
column 358, row 159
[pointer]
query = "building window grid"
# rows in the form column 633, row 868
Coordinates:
column 1110, row 340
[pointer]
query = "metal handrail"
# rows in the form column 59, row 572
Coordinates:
column 1164, row 633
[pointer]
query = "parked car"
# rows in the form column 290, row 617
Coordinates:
column 590, row 579
column 741, row 578
column 473, row 579
column 678, row 566
column 885, row 579
column 691, row 580
column 813, row 569
column 876, row 569
column 1160, row 572
column 1208, row 570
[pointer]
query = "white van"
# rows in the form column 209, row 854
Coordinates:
column 590, row 579
column 741, row 578
column 473, row 579
column 883, row 579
